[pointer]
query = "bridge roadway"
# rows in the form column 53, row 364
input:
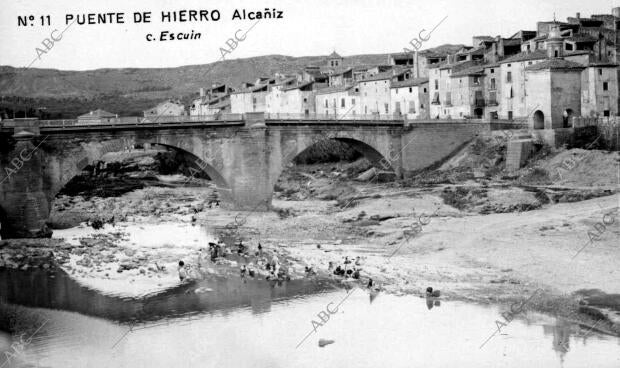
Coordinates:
column 243, row 154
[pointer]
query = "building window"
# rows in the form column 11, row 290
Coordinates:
column 556, row 53
column 476, row 80
column 326, row 103
column 606, row 113
column 509, row 77
column 509, row 65
column 492, row 70
column 396, row 89
column 436, row 84
column 410, row 89
column 512, row 94
column 305, row 99
column 492, row 83
column 387, row 108
column 421, row 106
column 605, row 86
column 342, row 103
column 253, row 99
column 424, row 90
column 600, row 71
column 509, row 115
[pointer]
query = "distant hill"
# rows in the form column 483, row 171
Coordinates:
column 125, row 91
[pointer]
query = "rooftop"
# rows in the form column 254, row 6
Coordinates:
column 526, row 55
column 581, row 37
column 334, row 89
column 555, row 64
column 474, row 70
column 409, row 82
column 334, row 55
column 296, row 86
column 603, row 64
column 385, row 75
column 252, row 89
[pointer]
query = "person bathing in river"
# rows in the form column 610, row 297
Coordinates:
column 182, row 271
column 347, row 262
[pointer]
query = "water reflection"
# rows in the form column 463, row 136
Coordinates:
column 432, row 302
column 259, row 324
column 213, row 294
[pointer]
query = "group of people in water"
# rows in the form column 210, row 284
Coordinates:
column 267, row 265
column 348, row 269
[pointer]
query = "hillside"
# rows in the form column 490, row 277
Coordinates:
column 65, row 94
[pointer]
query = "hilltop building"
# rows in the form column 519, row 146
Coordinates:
column 168, row 108
column 97, row 117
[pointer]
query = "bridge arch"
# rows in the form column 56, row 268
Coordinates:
column 389, row 161
column 93, row 152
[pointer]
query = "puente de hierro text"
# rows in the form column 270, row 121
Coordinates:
column 243, row 154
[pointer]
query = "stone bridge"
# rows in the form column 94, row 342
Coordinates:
column 243, row 156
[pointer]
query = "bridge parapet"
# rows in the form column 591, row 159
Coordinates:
column 29, row 125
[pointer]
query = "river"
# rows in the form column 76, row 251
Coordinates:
column 229, row 323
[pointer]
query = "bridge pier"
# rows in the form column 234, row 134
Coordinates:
column 250, row 179
column 24, row 207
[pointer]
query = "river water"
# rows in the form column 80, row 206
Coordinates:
column 260, row 324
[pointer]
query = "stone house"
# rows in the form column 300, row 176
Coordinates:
column 252, row 99
column 554, row 93
column 338, row 102
column 599, row 89
column 492, row 90
column 375, row 91
column 410, row 98
column 291, row 97
column 440, row 88
column 512, row 104
column 467, row 93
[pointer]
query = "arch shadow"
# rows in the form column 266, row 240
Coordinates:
column 195, row 164
column 376, row 158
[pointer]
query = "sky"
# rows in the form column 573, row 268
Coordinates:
column 310, row 27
